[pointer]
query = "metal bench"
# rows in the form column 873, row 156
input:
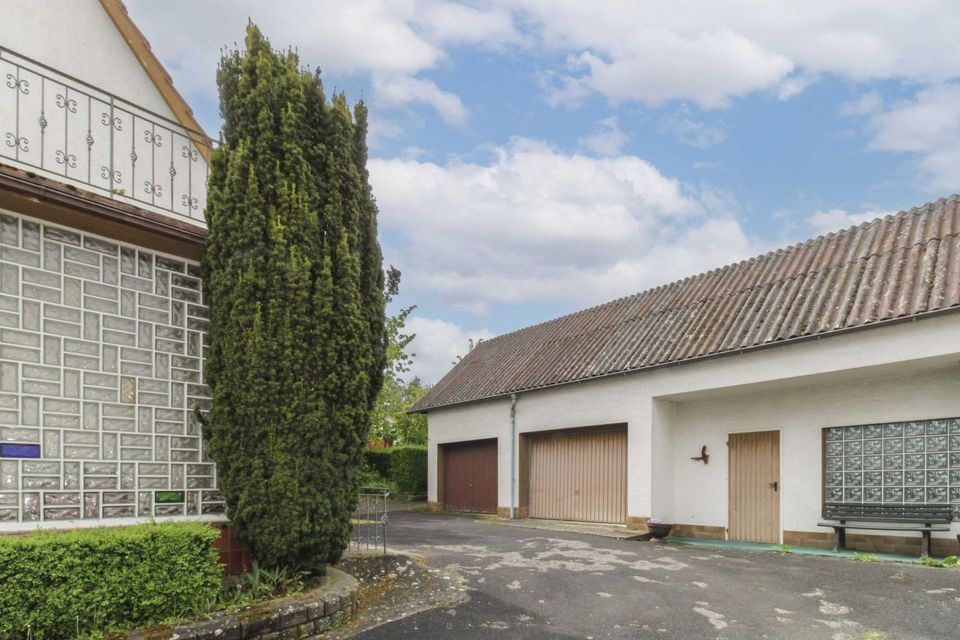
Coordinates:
column 924, row 518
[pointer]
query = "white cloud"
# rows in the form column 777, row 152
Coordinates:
column 795, row 85
column 658, row 66
column 650, row 51
column 401, row 90
column 865, row 105
column 709, row 52
column 607, row 140
column 836, row 219
column 690, row 132
column 536, row 225
column 928, row 127
column 395, row 39
column 437, row 345
column 452, row 22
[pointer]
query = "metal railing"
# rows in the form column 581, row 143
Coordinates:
column 370, row 520
column 70, row 130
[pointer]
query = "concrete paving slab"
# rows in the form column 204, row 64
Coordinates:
column 617, row 532
column 531, row 584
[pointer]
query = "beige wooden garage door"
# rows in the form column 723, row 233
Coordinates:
column 579, row 476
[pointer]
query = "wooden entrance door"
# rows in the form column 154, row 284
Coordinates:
column 754, row 480
column 579, row 476
column 470, row 476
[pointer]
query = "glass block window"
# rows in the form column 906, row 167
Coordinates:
column 101, row 366
column 894, row 463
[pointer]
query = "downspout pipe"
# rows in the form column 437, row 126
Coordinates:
column 513, row 456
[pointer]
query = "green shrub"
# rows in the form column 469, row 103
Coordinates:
column 404, row 466
column 408, row 468
column 56, row 585
column 379, row 461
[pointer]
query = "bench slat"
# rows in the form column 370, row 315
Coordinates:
column 925, row 513
column 880, row 527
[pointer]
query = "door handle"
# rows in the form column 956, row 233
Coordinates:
column 775, row 485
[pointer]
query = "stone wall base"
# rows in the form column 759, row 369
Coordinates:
column 302, row 617
column 637, row 522
column 434, row 506
column 707, row 532
column 905, row 545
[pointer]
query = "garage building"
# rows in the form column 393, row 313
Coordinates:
column 828, row 371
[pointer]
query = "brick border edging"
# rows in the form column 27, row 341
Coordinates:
column 293, row 617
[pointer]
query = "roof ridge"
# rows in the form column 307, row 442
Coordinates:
column 918, row 210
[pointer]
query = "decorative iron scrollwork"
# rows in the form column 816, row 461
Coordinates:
column 22, row 85
column 116, row 122
column 66, row 158
column 189, row 152
column 152, row 189
column 172, row 171
column 152, row 138
column 42, row 122
column 192, row 203
column 19, row 142
column 66, row 103
column 105, row 174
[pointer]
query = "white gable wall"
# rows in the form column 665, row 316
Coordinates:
column 78, row 38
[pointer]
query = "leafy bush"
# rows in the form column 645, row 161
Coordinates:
column 408, row 468
column 379, row 461
column 58, row 585
column 404, row 466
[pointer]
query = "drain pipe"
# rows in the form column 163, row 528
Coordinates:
column 513, row 455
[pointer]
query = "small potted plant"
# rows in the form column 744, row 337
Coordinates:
column 658, row 528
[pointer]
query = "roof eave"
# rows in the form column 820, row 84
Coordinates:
column 795, row 340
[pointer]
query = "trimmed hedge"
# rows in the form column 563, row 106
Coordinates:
column 404, row 465
column 379, row 461
column 408, row 468
column 56, row 585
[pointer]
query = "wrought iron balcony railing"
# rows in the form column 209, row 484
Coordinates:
column 64, row 128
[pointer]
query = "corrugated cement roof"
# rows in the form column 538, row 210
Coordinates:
column 899, row 266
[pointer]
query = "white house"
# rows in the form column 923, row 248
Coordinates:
column 102, row 190
column 825, row 371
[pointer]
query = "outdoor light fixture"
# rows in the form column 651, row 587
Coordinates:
column 704, row 456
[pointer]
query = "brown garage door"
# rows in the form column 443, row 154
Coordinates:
column 470, row 476
column 579, row 476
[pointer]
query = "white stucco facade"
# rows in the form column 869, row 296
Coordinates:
column 77, row 37
column 899, row 372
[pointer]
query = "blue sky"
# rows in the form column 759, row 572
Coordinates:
column 534, row 157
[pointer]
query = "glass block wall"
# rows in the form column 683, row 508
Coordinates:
column 101, row 355
column 898, row 462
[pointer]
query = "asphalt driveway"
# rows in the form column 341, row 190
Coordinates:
column 526, row 583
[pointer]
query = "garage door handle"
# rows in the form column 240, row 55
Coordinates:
column 775, row 485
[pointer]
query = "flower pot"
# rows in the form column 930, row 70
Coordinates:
column 659, row 530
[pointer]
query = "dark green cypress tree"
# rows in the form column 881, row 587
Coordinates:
column 293, row 276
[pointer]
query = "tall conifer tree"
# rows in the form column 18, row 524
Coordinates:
column 293, row 276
